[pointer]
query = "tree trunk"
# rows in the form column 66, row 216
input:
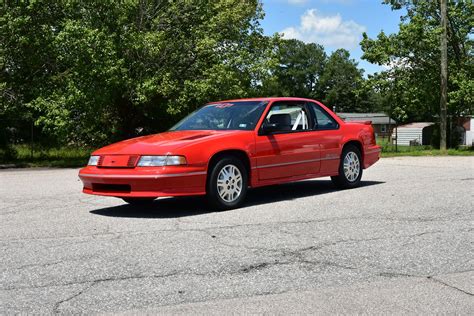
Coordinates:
column 444, row 76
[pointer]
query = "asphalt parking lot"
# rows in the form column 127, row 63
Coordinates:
column 401, row 243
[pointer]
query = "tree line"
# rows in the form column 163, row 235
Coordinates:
column 92, row 72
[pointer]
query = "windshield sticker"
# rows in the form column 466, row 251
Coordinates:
column 223, row 105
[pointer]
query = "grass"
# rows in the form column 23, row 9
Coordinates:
column 430, row 152
column 389, row 150
column 67, row 157
column 46, row 157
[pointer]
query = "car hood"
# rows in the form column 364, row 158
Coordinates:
column 162, row 143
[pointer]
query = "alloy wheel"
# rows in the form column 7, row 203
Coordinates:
column 351, row 166
column 229, row 183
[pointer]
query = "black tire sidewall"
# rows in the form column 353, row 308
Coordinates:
column 342, row 176
column 213, row 195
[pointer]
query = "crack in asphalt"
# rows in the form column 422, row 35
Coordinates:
column 46, row 264
column 398, row 274
column 298, row 255
column 57, row 305
column 432, row 278
column 428, row 277
column 26, row 266
column 295, row 256
column 110, row 279
column 248, row 269
column 93, row 283
column 178, row 228
column 323, row 245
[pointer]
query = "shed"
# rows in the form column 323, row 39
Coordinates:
column 381, row 122
column 418, row 133
column 465, row 125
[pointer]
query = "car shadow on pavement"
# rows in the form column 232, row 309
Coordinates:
column 192, row 206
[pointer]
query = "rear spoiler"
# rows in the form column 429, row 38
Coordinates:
column 360, row 122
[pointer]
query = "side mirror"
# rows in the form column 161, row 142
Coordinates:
column 268, row 128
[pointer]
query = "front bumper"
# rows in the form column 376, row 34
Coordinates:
column 144, row 181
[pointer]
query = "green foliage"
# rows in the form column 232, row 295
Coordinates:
column 410, row 87
column 46, row 157
column 342, row 83
column 86, row 70
column 92, row 72
column 305, row 70
column 298, row 70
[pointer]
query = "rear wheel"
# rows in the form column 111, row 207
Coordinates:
column 227, row 183
column 139, row 201
column 350, row 168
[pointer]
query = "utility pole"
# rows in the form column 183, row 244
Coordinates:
column 444, row 77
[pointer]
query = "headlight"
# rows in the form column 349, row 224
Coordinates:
column 93, row 161
column 158, row 161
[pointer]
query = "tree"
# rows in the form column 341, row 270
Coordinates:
column 297, row 71
column 304, row 70
column 96, row 71
column 412, row 57
column 341, row 82
column 444, row 75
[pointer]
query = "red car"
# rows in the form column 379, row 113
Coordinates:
column 225, row 147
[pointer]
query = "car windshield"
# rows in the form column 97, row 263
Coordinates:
column 241, row 115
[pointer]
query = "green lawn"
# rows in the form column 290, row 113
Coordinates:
column 389, row 150
column 47, row 157
column 430, row 152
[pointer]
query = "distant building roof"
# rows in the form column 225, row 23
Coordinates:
column 416, row 125
column 376, row 118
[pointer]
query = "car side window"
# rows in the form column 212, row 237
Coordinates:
column 322, row 120
column 287, row 117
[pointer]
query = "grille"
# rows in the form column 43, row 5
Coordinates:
column 117, row 161
column 101, row 160
column 132, row 161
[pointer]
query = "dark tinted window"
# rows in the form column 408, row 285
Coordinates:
column 322, row 119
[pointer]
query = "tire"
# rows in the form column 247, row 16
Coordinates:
column 227, row 183
column 139, row 201
column 350, row 168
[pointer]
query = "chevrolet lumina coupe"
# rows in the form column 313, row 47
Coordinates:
column 226, row 147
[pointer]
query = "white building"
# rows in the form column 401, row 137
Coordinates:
column 413, row 134
column 467, row 132
column 381, row 122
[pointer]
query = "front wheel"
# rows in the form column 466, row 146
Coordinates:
column 350, row 168
column 227, row 183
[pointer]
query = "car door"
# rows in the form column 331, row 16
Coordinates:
column 326, row 130
column 291, row 150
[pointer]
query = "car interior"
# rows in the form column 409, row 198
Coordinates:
column 288, row 117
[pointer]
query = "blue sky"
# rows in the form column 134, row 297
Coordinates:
column 332, row 23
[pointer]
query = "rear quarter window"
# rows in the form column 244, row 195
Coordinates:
column 322, row 119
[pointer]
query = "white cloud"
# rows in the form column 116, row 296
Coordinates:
column 328, row 30
column 297, row 1
column 337, row 1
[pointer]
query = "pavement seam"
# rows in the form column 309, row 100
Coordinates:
column 432, row 278
column 296, row 254
column 58, row 304
column 375, row 218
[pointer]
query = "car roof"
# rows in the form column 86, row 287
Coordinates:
column 265, row 99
